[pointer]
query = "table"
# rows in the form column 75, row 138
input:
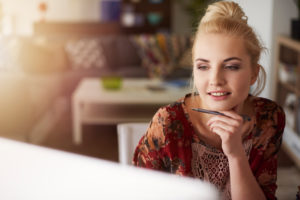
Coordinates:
column 136, row 101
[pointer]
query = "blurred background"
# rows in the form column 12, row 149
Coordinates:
column 48, row 47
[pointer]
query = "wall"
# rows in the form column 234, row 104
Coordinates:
column 262, row 24
column 23, row 13
column 283, row 12
column 273, row 21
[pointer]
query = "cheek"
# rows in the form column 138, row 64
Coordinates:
column 199, row 84
column 242, row 85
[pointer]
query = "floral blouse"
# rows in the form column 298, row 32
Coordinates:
column 172, row 145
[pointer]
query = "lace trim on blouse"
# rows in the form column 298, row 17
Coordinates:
column 211, row 164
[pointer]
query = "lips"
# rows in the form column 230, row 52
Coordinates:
column 219, row 93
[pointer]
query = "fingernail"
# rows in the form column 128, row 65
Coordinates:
column 246, row 118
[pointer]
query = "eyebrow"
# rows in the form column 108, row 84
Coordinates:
column 226, row 60
column 232, row 58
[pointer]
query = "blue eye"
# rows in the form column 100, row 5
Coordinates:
column 232, row 67
column 202, row 67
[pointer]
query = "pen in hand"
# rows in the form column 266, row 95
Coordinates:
column 245, row 117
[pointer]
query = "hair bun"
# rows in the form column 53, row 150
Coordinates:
column 224, row 9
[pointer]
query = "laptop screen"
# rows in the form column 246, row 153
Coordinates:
column 34, row 173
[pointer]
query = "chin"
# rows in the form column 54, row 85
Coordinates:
column 223, row 106
column 220, row 108
column 232, row 103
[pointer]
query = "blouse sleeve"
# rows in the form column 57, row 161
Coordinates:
column 265, row 161
column 149, row 150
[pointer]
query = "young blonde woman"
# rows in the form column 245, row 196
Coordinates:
column 238, row 156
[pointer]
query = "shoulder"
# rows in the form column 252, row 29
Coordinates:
column 166, row 119
column 270, row 122
column 264, row 103
column 169, row 112
column 268, row 110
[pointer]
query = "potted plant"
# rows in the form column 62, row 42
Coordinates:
column 195, row 9
column 296, row 23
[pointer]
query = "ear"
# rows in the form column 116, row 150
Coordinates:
column 255, row 73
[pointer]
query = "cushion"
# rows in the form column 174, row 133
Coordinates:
column 161, row 53
column 85, row 53
column 128, row 53
column 108, row 44
column 119, row 51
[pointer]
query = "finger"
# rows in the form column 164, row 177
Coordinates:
column 247, row 126
column 233, row 115
column 220, row 124
column 244, row 118
column 231, row 126
column 224, row 119
column 224, row 135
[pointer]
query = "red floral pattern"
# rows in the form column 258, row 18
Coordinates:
column 167, row 145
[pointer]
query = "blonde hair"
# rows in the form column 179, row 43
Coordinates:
column 228, row 18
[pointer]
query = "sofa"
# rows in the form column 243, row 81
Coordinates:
column 39, row 74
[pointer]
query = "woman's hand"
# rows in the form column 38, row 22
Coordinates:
column 231, row 129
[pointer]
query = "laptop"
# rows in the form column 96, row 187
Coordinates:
column 37, row 173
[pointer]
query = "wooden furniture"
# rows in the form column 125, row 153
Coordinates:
column 136, row 101
column 142, row 9
column 287, row 62
column 147, row 16
column 76, row 28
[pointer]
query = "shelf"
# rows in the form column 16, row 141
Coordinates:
column 291, row 144
column 144, row 29
column 291, row 88
column 288, row 52
column 288, row 42
column 159, row 11
column 76, row 28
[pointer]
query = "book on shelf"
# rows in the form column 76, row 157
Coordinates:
column 290, row 109
column 298, row 119
column 292, row 112
column 292, row 140
column 110, row 10
column 287, row 73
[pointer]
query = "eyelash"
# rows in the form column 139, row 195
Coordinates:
column 229, row 67
column 202, row 67
column 232, row 67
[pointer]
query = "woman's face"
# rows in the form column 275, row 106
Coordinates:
column 222, row 72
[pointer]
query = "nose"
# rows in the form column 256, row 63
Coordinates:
column 217, row 78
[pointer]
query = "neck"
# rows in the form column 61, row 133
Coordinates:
column 202, row 118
